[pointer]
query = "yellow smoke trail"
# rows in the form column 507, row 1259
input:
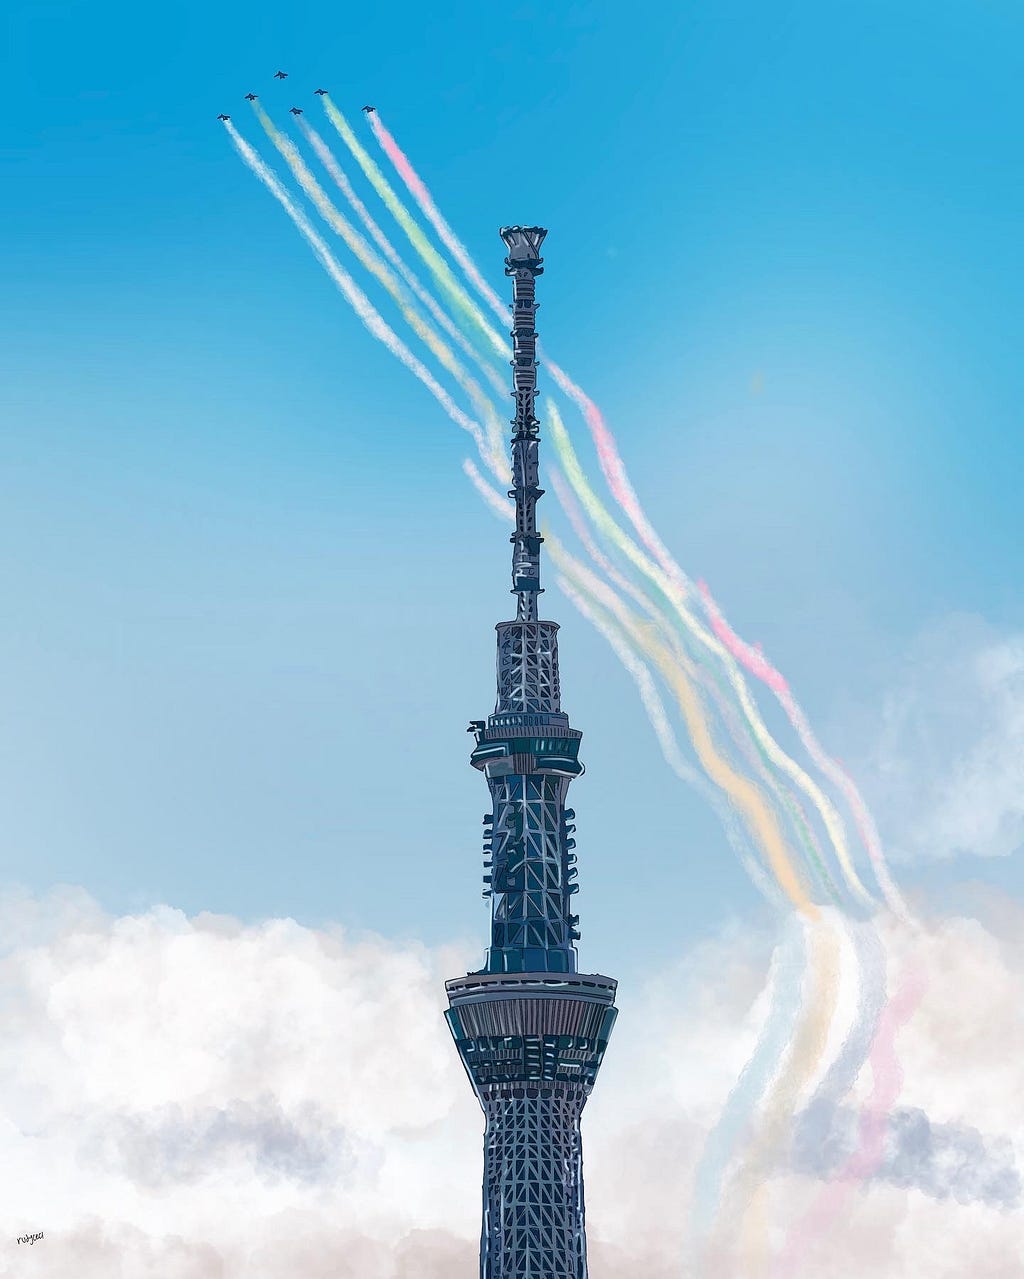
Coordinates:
column 743, row 1198
column 668, row 585
column 657, row 715
column 794, row 1075
column 437, row 266
column 612, row 530
column 628, row 655
column 744, row 794
column 381, row 272
column 329, row 161
column 609, row 458
column 579, row 525
column 811, row 1038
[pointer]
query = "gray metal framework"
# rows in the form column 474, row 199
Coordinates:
column 530, row 1030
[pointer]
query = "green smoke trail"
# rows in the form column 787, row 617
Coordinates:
column 440, row 269
column 378, row 268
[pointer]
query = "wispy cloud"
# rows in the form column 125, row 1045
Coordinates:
column 942, row 757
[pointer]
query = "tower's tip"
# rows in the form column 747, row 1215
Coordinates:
column 523, row 243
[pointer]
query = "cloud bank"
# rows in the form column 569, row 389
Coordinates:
column 194, row 1098
column 945, row 765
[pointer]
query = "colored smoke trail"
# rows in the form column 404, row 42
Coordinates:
column 617, row 478
column 422, row 196
column 340, row 178
column 356, row 298
column 762, row 669
column 577, row 521
column 619, row 483
column 741, row 791
column 742, row 736
column 887, row 1076
column 371, row 262
column 499, row 505
column 657, row 715
column 759, row 763
column 607, row 451
column 608, row 455
column 853, row 1053
column 719, row 768
column 812, row 1034
column 722, row 1142
column 806, row 1050
column 641, row 676
column 675, row 588
column 435, row 263
column 607, row 525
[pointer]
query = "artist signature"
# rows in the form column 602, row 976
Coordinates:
column 30, row 1238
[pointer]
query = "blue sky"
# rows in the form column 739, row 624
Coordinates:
column 784, row 256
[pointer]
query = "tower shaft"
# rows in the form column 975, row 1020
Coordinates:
column 531, row 1032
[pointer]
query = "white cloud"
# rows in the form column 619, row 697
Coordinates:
column 201, row 1099
column 943, row 760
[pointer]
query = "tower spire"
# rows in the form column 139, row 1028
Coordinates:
column 531, row 1032
column 523, row 264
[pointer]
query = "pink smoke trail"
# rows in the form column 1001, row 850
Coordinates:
column 344, row 185
column 614, row 472
column 607, row 452
column 759, row 666
column 571, row 507
column 418, row 189
column 887, row 1077
column 608, row 455
column 351, row 291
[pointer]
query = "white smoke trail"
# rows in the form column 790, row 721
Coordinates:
column 352, row 293
column 499, row 505
column 341, row 180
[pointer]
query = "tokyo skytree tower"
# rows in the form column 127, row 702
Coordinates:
column 531, row 1030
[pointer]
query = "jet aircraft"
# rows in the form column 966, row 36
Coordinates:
column 250, row 97
column 280, row 75
column 369, row 109
column 295, row 110
column 320, row 92
column 223, row 117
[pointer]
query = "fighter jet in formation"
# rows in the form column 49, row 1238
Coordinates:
column 250, row 97
column 369, row 109
column 295, row 110
column 280, row 75
column 223, row 117
column 320, row 92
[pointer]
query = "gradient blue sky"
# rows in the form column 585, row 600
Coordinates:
column 247, row 595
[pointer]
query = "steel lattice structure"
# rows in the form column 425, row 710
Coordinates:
column 530, row 1030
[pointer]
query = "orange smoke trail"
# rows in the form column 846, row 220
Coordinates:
column 807, row 1050
column 602, row 520
column 744, row 794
